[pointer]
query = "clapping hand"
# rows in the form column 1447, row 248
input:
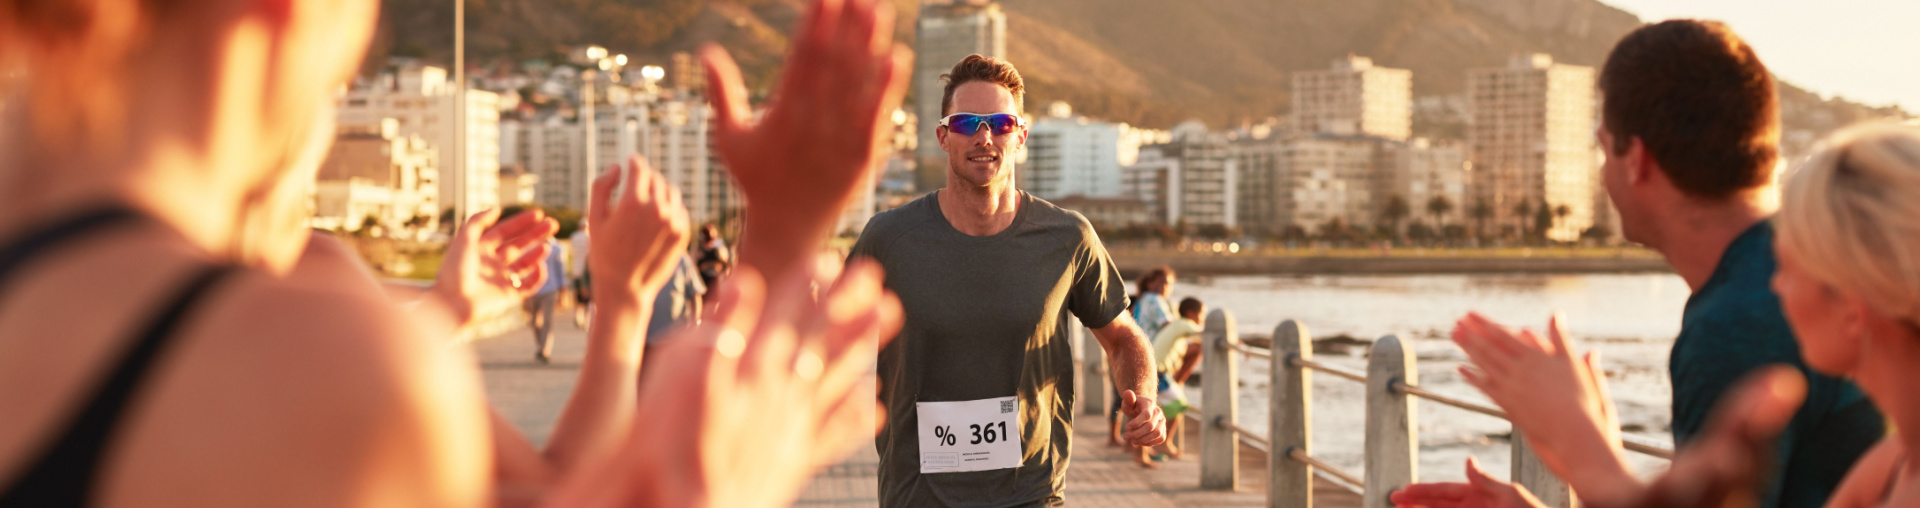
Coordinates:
column 821, row 136
column 640, row 233
column 1559, row 400
column 1480, row 491
column 745, row 407
column 493, row 265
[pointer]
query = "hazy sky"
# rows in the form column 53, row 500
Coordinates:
column 1865, row 50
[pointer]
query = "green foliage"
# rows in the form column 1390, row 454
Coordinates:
column 568, row 218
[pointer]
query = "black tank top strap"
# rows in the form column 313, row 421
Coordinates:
column 64, row 473
column 27, row 246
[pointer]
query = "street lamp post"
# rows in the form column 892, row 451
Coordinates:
column 596, row 60
column 459, row 171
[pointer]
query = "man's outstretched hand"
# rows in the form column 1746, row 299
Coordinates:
column 1146, row 425
column 1480, row 491
column 821, row 136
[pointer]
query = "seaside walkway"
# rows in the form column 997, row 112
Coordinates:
column 531, row 394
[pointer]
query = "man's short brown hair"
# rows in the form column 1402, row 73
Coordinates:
column 1699, row 99
column 983, row 68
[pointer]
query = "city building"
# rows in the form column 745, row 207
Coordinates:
column 1532, row 146
column 549, row 147
column 1153, row 179
column 678, row 142
column 422, row 99
column 1188, row 181
column 1432, row 177
column 518, row 186
column 1072, row 156
column 1108, row 214
column 1303, row 184
column 374, row 176
column 1354, row 97
column 947, row 32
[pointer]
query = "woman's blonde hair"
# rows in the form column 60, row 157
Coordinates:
column 1851, row 215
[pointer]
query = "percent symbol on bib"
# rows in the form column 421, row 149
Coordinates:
column 945, row 438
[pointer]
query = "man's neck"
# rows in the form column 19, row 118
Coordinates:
column 1697, row 236
column 979, row 211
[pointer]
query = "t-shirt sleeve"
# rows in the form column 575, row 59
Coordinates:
column 1721, row 352
column 1099, row 293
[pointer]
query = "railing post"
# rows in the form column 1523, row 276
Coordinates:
column 1528, row 471
column 1093, row 374
column 1290, row 425
column 1219, row 445
column 1392, row 425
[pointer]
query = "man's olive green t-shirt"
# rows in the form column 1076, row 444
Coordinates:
column 986, row 317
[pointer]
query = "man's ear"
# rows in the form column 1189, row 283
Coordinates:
column 1640, row 164
column 940, row 134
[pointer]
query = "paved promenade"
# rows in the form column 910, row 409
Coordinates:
column 530, row 395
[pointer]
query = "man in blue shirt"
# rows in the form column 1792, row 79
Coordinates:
column 1690, row 129
column 540, row 305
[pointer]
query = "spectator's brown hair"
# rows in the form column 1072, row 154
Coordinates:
column 1699, row 99
column 983, row 68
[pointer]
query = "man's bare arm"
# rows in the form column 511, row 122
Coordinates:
column 1131, row 357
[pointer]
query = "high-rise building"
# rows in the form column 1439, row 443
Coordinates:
column 1532, row 146
column 1302, row 184
column 948, row 31
column 1188, row 181
column 1154, row 179
column 1426, row 174
column 421, row 99
column 547, row 146
column 517, row 185
column 1354, row 97
column 1072, row 157
column 679, row 144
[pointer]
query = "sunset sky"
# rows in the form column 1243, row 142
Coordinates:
column 1865, row 50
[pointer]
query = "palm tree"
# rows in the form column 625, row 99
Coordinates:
column 1522, row 211
column 1561, row 212
column 1481, row 211
column 1396, row 210
column 1439, row 207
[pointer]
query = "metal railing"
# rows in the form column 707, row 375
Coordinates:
column 1392, row 428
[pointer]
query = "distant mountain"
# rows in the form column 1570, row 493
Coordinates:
column 1147, row 62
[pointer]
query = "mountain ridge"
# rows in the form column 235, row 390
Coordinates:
column 1146, row 62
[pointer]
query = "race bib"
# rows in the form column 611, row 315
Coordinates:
column 974, row 435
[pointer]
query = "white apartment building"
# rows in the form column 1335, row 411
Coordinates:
column 1425, row 172
column 372, row 171
column 1154, row 179
column 1072, row 157
column 947, row 31
column 421, row 99
column 1187, row 181
column 1531, row 141
column 518, row 186
column 549, row 148
column 1354, row 97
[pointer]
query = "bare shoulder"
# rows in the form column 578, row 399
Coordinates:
column 291, row 390
column 1868, row 480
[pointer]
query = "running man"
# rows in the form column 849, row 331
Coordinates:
column 978, row 385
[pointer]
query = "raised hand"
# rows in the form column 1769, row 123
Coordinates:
column 748, row 405
column 1557, row 400
column 492, row 265
column 1146, row 424
column 639, row 233
column 820, row 138
column 1480, row 491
